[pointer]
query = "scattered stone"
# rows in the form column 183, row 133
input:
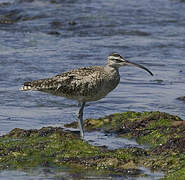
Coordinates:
column 54, row 33
column 72, row 23
column 56, row 24
column 182, row 98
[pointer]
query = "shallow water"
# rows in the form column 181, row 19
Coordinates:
column 43, row 38
column 50, row 174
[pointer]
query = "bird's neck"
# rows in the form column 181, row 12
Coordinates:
column 111, row 69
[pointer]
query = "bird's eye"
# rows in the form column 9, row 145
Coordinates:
column 119, row 61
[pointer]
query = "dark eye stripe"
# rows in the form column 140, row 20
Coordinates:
column 118, row 60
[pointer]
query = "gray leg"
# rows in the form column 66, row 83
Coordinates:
column 80, row 119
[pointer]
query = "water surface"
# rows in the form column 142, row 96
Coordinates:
column 39, row 39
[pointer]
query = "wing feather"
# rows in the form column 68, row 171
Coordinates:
column 76, row 80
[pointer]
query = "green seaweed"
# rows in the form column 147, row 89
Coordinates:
column 52, row 147
column 163, row 135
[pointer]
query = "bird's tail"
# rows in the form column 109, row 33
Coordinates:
column 26, row 87
column 39, row 85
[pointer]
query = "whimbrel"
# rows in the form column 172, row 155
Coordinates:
column 84, row 84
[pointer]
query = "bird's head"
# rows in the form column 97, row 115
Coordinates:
column 115, row 60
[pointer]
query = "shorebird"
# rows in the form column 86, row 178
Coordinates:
column 84, row 84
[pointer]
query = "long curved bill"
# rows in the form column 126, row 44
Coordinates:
column 139, row 66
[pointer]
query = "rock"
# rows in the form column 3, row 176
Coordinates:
column 164, row 135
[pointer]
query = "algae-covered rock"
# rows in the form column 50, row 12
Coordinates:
column 150, row 128
column 54, row 147
column 163, row 135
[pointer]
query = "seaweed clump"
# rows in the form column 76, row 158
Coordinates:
column 162, row 135
column 54, row 147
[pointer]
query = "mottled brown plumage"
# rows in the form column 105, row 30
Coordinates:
column 84, row 84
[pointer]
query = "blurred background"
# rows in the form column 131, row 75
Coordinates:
column 43, row 38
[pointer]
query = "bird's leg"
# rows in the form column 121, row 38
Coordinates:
column 80, row 118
